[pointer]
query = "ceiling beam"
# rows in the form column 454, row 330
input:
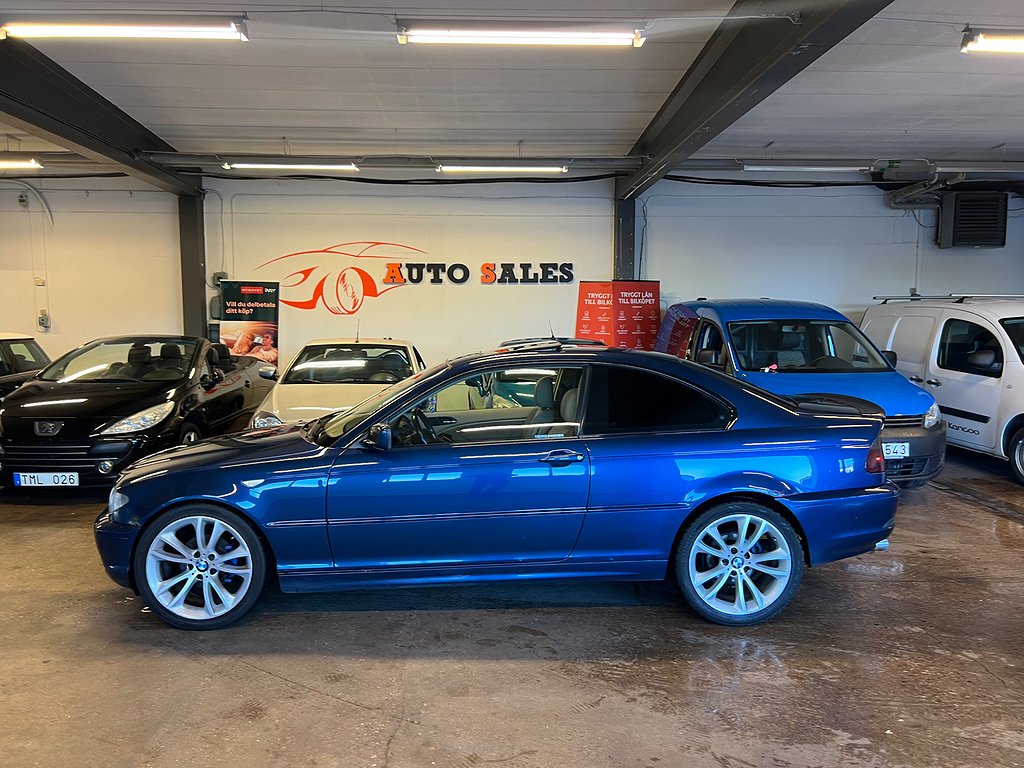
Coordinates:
column 42, row 98
column 744, row 62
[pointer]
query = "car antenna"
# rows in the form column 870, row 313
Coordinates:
column 552, row 329
column 357, row 330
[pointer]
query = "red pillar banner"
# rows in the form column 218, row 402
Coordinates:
column 619, row 313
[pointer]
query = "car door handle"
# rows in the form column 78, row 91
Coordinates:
column 561, row 456
column 440, row 420
column 916, row 379
column 934, row 382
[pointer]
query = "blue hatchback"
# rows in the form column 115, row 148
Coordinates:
column 628, row 466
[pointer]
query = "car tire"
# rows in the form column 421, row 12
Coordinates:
column 1016, row 454
column 189, row 434
column 711, row 556
column 199, row 567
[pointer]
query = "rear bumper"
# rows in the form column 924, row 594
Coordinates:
column 927, row 452
column 114, row 542
column 845, row 523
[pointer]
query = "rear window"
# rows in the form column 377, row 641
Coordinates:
column 625, row 400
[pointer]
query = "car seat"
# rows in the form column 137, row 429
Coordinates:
column 171, row 358
column 140, row 362
column 544, row 399
column 788, row 355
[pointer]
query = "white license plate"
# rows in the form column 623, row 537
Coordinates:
column 52, row 479
column 895, row 450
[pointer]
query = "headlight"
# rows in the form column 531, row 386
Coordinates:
column 932, row 417
column 265, row 419
column 141, row 420
column 116, row 500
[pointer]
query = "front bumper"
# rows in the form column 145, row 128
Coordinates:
column 115, row 542
column 927, row 452
column 83, row 456
column 842, row 524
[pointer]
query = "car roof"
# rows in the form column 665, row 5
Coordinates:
column 363, row 342
column 5, row 336
column 992, row 306
column 731, row 310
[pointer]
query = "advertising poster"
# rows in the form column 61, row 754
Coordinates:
column 619, row 313
column 594, row 312
column 250, row 318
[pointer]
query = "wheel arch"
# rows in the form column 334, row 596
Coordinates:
column 1012, row 427
column 268, row 551
column 753, row 496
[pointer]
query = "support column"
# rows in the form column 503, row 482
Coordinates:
column 192, row 238
column 624, row 240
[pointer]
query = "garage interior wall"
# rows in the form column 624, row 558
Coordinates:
column 839, row 246
column 470, row 225
column 109, row 261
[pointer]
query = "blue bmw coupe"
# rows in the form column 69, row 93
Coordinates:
column 627, row 466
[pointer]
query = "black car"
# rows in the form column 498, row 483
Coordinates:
column 20, row 359
column 102, row 406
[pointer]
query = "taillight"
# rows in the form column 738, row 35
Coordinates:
column 876, row 460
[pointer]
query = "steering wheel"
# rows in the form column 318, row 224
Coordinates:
column 830, row 361
column 414, row 427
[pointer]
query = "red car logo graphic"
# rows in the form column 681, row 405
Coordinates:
column 338, row 278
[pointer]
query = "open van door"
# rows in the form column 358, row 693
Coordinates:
column 676, row 330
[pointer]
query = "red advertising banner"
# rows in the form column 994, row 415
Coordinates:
column 619, row 313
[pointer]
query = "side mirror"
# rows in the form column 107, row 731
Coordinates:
column 268, row 372
column 890, row 357
column 209, row 381
column 709, row 357
column 379, row 437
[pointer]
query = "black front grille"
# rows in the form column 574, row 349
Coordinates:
column 83, row 458
column 895, row 468
column 898, row 422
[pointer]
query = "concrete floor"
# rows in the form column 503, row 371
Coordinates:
column 913, row 657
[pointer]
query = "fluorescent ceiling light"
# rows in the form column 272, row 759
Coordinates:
column 291, row 166
column 502, row 169
column 993, row 41
column 137, row 27
column 519, row 35
column 28, row 163
column 806, row 168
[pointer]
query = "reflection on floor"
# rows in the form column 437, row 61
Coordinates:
column 911, row 657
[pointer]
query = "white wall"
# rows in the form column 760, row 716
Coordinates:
column 250, row 223
column 838, row 246
column 109, row 261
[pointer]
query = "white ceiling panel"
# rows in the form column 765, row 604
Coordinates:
column 897, row 87
column 331, row 79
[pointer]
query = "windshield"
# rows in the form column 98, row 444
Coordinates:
column 349, row 364
column 1014, row 327
column 125, row 360
column 804, row 346
column 340, row 423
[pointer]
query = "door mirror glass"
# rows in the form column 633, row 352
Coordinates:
column 379, row 437
column 268, row 372
column 890, row 357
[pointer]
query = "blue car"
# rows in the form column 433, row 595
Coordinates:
column 629, row 466
column 796, row 347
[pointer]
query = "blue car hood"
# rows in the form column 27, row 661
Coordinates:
column 896, row 395
column 278, row 443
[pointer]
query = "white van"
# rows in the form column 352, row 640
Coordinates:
column 967, row 352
